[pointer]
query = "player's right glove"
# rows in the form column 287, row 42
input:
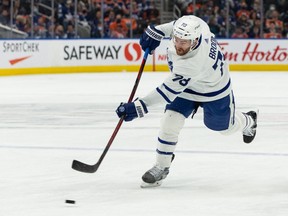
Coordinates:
column 151, row 38
column 132, row 110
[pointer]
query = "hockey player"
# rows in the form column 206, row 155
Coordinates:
column 199, row 78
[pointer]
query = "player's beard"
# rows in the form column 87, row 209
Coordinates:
column 181, row 51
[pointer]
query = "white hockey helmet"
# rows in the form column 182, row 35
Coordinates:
column 187, row 28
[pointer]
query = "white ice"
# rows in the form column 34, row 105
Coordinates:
column 46, row 121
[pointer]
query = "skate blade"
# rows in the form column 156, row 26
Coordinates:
column 150, row 185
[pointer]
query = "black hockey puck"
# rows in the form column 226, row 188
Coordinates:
column 70, row 201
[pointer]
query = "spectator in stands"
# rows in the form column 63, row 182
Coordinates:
column 254, row 32
column 16, row 8
column 5, row 17
column 207, row 13
column 118, row 28
column 243, row 10
column 65, row 12
column 40, row 28
column 144, row 12
column 5, row 4
column 96, row 25
column 70, row 32
column 108, row 19
column 282, row 6
column 239, row 33
column 221, row 18
column 148, row 12
column 120, row 7
column 131, row 23
column 20, row 22
column 268, row 13
column 256, row 6
column 135, row 11
column 274, row 18
column 152, row 16
column 95, row 5
column 190, row 10
column 82, row 11
column 244, row 22
column 272, row 32
column 284, row 18
column 254, row 15
column 59, row 32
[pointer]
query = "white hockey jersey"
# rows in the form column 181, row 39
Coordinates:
column 200, row 75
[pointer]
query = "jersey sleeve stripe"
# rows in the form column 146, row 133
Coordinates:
column 170, row 90
column 210, row 94
column 163, row 95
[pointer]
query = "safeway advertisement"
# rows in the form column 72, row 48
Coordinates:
column 55, row 53
column 113, row 52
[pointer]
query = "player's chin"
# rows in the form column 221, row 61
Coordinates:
column 181, row 52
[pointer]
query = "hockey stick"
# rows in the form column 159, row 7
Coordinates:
column 82, row 167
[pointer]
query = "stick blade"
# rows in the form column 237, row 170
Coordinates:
column 82, row 167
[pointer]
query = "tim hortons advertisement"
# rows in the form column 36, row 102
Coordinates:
column 255, row 51
column 249, row 52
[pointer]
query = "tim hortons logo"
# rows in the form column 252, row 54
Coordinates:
column 253, row 52
column 132, row 51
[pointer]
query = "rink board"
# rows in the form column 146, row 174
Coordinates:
column 121, row 55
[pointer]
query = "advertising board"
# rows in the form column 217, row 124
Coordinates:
column 118, row 55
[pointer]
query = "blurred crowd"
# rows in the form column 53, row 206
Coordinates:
column 119, row 20
column 244, row 18
column 114, row 23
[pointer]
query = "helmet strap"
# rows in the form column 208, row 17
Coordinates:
column 194, row 43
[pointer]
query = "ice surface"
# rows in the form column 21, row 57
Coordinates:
column 46, row 121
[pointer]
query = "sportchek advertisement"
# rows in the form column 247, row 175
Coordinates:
column 51, row 53
column 113, row 55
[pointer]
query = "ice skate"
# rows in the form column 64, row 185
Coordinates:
column 154, row 176
column 249, row 132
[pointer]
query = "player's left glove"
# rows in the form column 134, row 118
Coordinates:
column 132, row 110
column 151, row 39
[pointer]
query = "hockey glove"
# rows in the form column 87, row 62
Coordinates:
column 132, row 110
column 151, row 39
